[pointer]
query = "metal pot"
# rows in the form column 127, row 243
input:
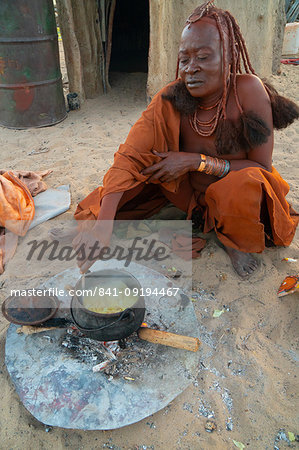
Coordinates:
column 108, row 326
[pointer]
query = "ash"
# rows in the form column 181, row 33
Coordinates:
column 82, row 348
column 131, row 359
column 125, row 358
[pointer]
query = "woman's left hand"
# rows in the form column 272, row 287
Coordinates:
column 171, row 166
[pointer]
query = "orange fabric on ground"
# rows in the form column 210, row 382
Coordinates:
column 234, row 202
column 187, row 247
column 32, row 180
column 16, row 204
column 16, row 212
column 17, row 207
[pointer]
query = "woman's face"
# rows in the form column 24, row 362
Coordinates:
column 200, row 60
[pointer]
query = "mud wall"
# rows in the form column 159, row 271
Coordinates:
column 261, row 22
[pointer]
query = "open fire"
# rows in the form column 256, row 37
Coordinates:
column 116, row 359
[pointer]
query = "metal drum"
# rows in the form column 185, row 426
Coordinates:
column 31, row 93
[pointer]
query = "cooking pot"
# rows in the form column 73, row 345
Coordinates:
column 111, row 290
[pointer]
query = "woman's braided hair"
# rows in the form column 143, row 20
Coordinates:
column 233, row 47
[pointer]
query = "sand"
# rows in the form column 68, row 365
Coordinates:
column 247, row 374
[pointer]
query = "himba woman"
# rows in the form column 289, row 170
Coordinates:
column 204, row 144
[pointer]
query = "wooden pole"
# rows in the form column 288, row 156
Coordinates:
column 109, row 42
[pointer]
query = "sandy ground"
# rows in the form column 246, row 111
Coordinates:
column 247, row 373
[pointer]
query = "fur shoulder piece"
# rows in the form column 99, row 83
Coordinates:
column 179, row 97
column 284, row 111
column 248, row 132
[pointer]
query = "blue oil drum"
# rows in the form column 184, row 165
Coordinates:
column 31, row 93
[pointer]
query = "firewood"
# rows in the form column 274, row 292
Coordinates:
column 28, row 329
column 170, row 339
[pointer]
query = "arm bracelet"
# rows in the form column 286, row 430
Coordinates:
column 214, row 166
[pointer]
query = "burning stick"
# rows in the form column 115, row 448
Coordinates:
column 101, row 366
column 107, row 352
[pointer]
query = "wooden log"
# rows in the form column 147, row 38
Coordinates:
column 170, row 339
column 28, row 329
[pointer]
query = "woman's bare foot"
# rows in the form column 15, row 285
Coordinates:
column 244, row 264
column 63, row 235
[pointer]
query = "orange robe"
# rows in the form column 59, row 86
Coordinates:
column 233, row 203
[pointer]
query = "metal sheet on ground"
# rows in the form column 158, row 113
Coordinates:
column 59, row 390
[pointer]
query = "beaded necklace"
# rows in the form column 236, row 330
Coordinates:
column 207, row 108
column 209, row 126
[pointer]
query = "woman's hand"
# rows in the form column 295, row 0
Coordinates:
column 90, row 242
column 96, row 234
column 171, row 166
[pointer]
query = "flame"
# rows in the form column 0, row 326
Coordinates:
column 144, row 324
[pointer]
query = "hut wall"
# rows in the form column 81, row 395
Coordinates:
column 261, row 22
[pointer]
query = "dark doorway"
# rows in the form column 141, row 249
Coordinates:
column 130, row 37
